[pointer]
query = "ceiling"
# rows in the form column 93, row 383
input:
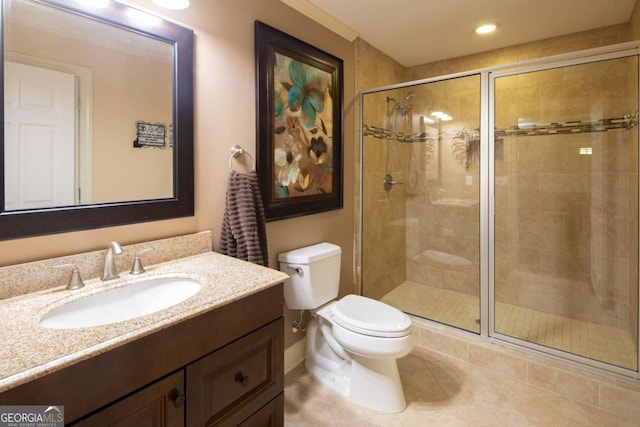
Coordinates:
column 60, row 23
column 416, row 32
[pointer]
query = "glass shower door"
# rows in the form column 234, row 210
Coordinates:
column 566, row 209
column 421, row 199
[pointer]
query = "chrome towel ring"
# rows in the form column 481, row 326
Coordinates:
column 237, row 151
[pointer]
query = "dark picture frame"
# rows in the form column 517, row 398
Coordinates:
column 299, row 125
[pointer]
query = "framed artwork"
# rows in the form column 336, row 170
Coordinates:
column 299, row 125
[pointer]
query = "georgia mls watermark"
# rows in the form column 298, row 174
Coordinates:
column 32, row 416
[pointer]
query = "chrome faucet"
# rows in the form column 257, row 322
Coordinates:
column 110, row 269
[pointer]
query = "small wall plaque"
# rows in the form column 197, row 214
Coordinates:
column 150, row 135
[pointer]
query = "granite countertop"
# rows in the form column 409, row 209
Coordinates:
column 29, row 351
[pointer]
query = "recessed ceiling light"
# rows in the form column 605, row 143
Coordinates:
column 172, row 4
column 486, row 29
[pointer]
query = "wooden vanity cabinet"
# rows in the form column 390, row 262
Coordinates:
column 161, row 404
column 229, row 385
column 224, row 367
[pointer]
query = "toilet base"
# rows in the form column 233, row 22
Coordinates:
column 373, row 383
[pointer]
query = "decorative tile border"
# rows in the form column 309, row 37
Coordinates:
column 553, row 128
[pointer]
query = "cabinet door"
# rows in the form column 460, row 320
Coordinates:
column 159, row 405
column 270, row 415
column 232, row 383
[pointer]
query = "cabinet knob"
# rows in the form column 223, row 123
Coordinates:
column 179, row 400
column 242, row 379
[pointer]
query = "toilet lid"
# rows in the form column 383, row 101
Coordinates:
column 370, row 317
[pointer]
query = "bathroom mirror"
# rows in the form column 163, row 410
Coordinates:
column 98, row 117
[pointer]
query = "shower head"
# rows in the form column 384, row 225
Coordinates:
column 404, row 109
column 400, row 106
column 410, row 95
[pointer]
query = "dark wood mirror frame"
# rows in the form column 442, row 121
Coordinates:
column 24, row 223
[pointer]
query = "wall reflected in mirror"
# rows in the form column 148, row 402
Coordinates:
column 76, row 93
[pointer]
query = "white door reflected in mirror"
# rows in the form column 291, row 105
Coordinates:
column 40, row 134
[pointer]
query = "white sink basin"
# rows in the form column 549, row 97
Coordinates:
column 117, row 305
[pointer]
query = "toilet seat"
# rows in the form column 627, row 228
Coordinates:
column 370, row 317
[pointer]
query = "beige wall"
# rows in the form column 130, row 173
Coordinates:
column 124, row 89
column 384, row 246
column 142, row 93
column 225, row 99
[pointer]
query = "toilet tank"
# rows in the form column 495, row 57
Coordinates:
column 314, row 275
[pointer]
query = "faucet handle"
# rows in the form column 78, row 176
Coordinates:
column 137, row 267
column 75, row 281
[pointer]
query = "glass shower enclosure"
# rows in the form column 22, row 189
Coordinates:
column 421, row 233
column 504, row 202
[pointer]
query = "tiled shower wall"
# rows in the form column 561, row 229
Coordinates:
column 384, row 247
column 375, row 69
column 383, row 212
column 448, row 229
column 563, row 244
column 633, row 216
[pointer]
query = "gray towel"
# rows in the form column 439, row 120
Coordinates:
column 244, row 234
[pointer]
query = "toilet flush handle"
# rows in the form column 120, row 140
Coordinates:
column 296, row 269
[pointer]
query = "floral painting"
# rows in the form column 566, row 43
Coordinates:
column 303, row 129
column 299, row 126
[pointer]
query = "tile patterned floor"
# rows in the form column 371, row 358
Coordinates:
column 598, row 342
column 441, row 392
column 444, row 306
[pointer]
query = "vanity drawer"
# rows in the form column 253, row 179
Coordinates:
column 238, row 379
column 155, row 405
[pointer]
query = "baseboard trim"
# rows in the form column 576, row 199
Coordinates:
column 294, row 355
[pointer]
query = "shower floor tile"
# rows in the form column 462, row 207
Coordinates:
column 604, row 343
column 441, row 305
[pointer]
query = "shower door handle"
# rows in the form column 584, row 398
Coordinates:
column 389, row 182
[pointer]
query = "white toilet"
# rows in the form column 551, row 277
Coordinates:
column 353, row 343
